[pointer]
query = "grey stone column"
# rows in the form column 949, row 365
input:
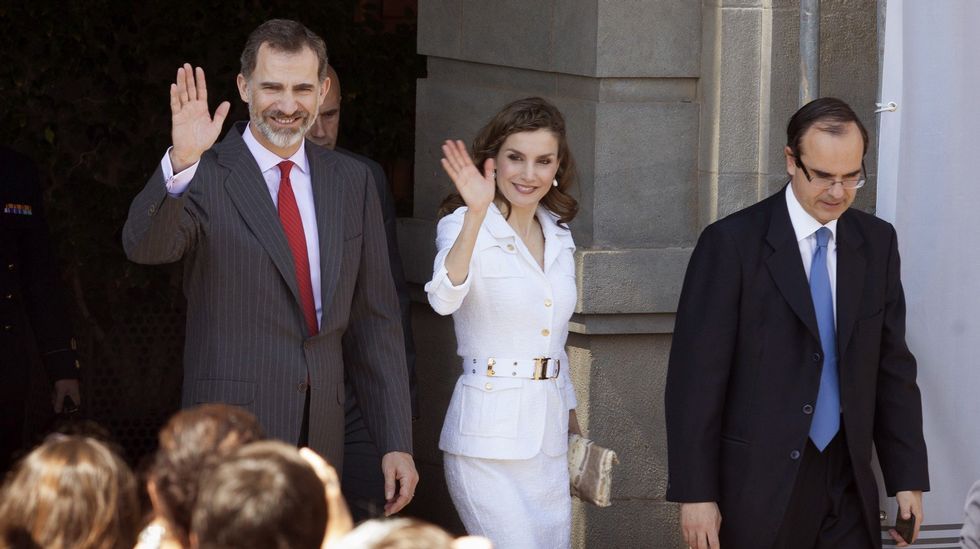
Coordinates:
column 675, row 110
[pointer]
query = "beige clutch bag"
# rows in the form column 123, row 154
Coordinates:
column 590, row 470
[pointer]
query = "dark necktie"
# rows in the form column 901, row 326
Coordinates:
column 826, row 416
column 292, row 225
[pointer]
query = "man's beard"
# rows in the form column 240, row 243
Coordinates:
column 285, row 137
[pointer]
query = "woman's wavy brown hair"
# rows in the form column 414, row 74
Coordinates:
column 70, row 492
column 526, row 115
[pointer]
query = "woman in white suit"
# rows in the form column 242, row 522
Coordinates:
column 505, row 270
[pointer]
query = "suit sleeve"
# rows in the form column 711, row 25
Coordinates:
column 374, row 339
column 161, row 228
column 701, row 356
column 898, row 436
column 45, row 297
column 389, row 215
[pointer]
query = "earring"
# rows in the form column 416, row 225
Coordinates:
column 554, row 182
column 495, row 174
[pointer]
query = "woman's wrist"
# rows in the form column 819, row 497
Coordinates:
column 476, row 214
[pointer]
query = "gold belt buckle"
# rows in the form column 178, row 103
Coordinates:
column 490, row 364
column 541, row 368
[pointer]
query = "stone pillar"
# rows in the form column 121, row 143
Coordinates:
column 675, row 110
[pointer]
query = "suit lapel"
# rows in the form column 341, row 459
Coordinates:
column 249, row 193
column 328, row 198
column 786, row 266
column 851, row 265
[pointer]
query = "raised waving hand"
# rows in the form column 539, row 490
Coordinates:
column 476, row 189
column 193, row 129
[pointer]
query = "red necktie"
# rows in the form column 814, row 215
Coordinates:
column 292, row 225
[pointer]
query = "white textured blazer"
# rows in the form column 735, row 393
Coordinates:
column 507, row 308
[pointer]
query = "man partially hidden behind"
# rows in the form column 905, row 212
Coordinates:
column 33, row 314
column 362, row 483
column 285, row 259
column 789, row 360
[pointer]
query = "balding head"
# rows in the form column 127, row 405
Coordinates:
column 324, row 131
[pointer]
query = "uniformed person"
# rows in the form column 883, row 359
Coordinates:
column 32, row 306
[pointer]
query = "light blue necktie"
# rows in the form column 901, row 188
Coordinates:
column 826, row 416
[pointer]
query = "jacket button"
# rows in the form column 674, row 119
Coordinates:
column 807, row 409
column 546, row 332
column 816, row 357
column 7, row 327
column 795, row 454
column 9, row 296
column 11, row 267
column 488, row 386
column 510, row 247
column 547, row 303
column 301, row 387
column 153, row 209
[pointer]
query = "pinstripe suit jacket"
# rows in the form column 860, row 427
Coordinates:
column 247, row 343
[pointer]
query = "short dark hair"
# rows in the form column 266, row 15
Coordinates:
column 527, row 115
column 283, row 35
column 193, row 441
column 828, row 114
column 265, row 495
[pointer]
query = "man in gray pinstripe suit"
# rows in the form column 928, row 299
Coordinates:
column 284, row 253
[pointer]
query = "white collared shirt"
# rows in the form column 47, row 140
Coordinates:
column 299, row 178
column 805, row 227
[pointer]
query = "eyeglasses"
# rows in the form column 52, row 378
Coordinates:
column 827, row 182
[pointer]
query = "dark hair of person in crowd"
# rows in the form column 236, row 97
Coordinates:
column 283, row 35
column 263, row 496
column 526, row 115
column 828, row 114
column 71, row 492
column 192, row 441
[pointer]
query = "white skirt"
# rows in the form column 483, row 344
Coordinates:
column 517, row 503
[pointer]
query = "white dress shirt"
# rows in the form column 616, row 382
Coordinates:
column 268, row 162
column 806, row 227
column 508, row 307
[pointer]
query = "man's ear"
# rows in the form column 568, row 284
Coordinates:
column 324, row 88
column 242, row 87
column 790, row 161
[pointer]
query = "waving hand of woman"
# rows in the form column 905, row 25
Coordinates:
column 477, row 190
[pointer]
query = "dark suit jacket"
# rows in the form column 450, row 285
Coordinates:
column 33, row 314
column 746, row 361
column 246, row 340
column 30, row 285
column 397, row 274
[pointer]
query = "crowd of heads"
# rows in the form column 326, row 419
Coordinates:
column 214, row 482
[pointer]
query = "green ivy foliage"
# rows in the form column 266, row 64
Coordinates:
column 84, row 91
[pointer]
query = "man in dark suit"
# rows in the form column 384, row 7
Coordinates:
column 362, row 483
column 32, row 306
column 789, row 360
column 285, row 259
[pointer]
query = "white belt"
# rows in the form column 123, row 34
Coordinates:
column 526, row 368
